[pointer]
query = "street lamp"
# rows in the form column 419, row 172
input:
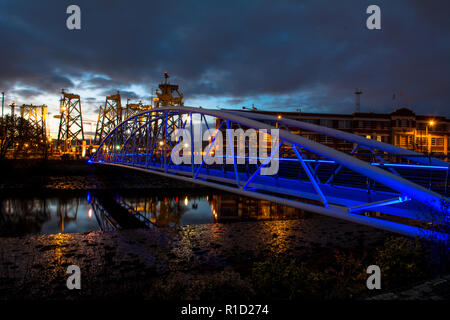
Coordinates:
column 3, row 100
column 429, row 124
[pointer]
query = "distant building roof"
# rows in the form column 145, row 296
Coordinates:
column 403, row 112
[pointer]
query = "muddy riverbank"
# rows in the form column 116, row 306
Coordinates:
column 132, row 263
column 30, row 176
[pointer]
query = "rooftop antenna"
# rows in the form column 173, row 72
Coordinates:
column 357, row 93
column 3, row 100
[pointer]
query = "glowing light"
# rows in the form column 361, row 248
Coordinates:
column 279, row 116
column 186, row 201
column 186, row 145
column 90, row 213
column 431, row 123
column 161, row 143
column 117, row 147
column 93, row 150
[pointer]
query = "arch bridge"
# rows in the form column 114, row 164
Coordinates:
column 376, row 184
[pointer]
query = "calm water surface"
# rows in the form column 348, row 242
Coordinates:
column 83, row 213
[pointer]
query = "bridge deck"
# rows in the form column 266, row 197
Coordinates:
column 336, row 195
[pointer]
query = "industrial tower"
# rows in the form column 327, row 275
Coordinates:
column 109, row 116
column 37, row 116
column 132, row 109
column 71, row 122
column 166, row 97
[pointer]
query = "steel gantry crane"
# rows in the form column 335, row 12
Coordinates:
column 37, row 116
column 109, row 116
column 70, row 133
column 168, row 94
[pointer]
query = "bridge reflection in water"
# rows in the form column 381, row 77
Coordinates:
column 33, row 216
column 157, row 211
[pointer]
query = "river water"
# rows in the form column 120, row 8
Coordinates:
column 22, row 216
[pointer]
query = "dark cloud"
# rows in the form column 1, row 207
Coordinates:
column 278, row 54
column 133, row 96
column 26, row 93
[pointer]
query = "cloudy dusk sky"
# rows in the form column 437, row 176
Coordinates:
column 277, row 55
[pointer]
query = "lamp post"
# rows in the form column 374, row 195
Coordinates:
column 429, row 124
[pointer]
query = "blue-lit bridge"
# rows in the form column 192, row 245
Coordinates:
column 376, row 184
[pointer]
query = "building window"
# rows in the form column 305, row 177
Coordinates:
column 344, row 124
column 326, row 123
column 325, row 139
column 403, row 140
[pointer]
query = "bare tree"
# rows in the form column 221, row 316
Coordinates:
column 21, row 138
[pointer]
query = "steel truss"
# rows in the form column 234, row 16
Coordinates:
column 109, row 116
column 70, row 133
column 132, row 109
column 143, row 142
column 37, row 116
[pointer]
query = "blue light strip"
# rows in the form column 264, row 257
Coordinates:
column 410, row 165
column 418, row 166
column 372, row 163
column 388, row 202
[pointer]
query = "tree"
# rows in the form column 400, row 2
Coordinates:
column 21, row 138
